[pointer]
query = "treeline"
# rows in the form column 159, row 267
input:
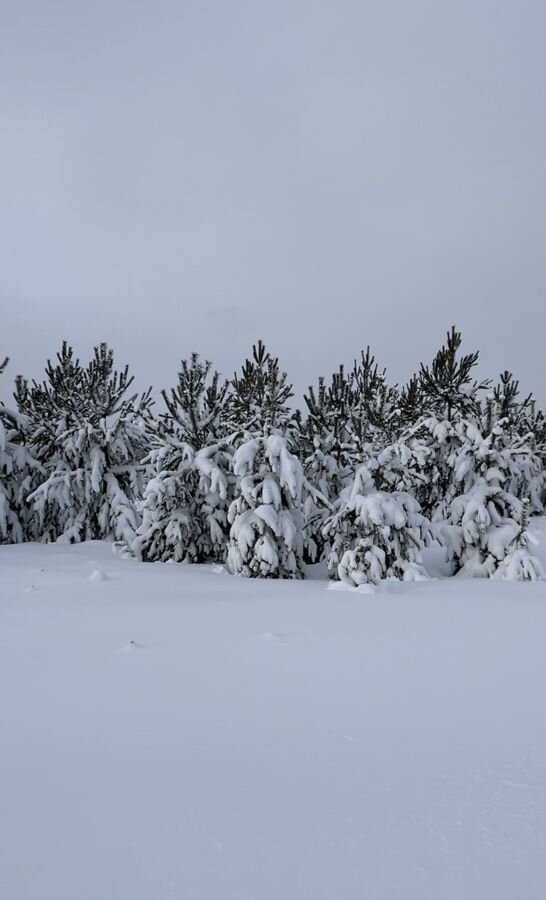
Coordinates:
column 225, row 471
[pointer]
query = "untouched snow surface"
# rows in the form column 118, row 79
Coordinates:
column 173, row 732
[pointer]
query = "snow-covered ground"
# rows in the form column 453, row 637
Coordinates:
column 173, row 732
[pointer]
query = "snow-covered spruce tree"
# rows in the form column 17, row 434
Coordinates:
column 376, row 534
column 320, row 494
column 463, row 481
column 90, row 438
column 266, row 537
column 322, row 455
column 265, row 514
column 328, row 425
column 443, row 457
column 354, row 415
column 519, row 563
column 347, row 421
column 517, row 415
column 523, row 424
column 374, row 403
column 421, row 462
column 18, row 472
column 184, row 512
column 514, row 421
column 486, row 521
column 422, row 458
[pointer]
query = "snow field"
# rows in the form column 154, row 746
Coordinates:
column 170, row 731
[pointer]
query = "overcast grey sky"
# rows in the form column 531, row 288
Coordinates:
column 195, row 175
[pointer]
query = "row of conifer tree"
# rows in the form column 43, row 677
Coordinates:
column 362, row 478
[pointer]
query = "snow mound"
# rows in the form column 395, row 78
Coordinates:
column 276, row 637
column 98, row 575
column 342, row 586
column 132, row 646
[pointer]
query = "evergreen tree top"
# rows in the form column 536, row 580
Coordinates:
column 78, row 394
column 196, row 406
column 447, row 383
column 355, row 407
column 260, row 394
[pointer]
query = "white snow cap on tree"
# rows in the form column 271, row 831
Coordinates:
column 265, row 536
column 376, row 535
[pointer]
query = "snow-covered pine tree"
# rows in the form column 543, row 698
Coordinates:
column 410, row 405
column 347, row 421
column 502, row 404
column 373, row 405
column 422, row 458
column 513, row 421
column 90, row 438
column 266, row 536
column 483, row 523
column 375, row 534
column 421, row 462
column 265, row 514
column 196, row 406
column 518, row 415
column 329, row 421
column 354, row 415
column 464, row 481
column 519, row 563
column 18, row 471
column 184, row 512
column 320, row 493
column 321, row 449
column 259, row 395
column 447, row 385
column 534, row 424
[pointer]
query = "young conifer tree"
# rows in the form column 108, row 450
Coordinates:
column 89, row 436
column 447, row 385
column 323, row 450
column 18, row 473
column 447, row 395
column 513, row 422
column 483, row 523
column 376, row 534
column 348, row 420
column 410, row 405
column 265, row 514
column 373, row 405
column 259, row 395
column 519, row 562
column 184, row 512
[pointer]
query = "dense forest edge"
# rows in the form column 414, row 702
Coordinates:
column 223, row 470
